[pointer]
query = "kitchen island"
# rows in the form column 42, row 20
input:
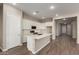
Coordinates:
column 36, row 42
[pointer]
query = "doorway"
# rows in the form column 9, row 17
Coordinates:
column 67, row 26
column 63, row 28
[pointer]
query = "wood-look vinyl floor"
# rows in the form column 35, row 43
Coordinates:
column 63, row 45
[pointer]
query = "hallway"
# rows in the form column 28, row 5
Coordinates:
column 63, row 45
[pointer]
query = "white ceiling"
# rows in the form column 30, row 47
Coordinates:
column 43, row 8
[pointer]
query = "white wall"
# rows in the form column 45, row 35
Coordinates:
column 78, row 29
column 53, row 29
column 74, row 29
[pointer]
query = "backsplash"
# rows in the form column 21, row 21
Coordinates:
column 40, row 31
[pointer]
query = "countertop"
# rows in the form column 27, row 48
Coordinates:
column 39, row 36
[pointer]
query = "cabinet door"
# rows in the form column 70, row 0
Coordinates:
column 13, row 30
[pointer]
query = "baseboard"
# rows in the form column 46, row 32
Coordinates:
column 4, row 50
column 34, row 52
column 10, row 48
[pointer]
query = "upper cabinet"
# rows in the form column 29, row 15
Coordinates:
column 48, row 24
column 27, row 24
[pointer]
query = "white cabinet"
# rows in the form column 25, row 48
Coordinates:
column 28, row 23
column 41, row 26
column 48, row 24
column 12, row 20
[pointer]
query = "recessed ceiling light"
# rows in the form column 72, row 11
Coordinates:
column 52, row 7
column 56, row 14
column 14, row 3
column 34, row 13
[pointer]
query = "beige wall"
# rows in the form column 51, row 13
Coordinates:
column 1, row 26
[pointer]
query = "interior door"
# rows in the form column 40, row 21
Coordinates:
column 13, row 30
column 63, row 29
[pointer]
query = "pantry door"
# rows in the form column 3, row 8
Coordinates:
column 13, row 31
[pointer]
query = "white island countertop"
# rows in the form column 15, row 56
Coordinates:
column 39, row 36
